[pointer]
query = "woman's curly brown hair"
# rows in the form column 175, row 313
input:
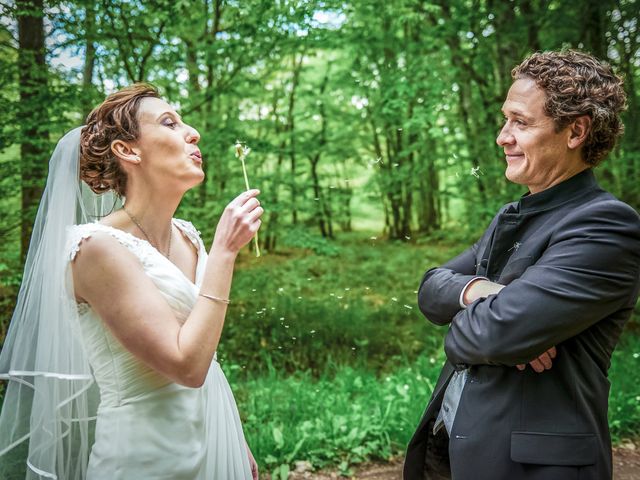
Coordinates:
column 114, row 119
column 576, row 84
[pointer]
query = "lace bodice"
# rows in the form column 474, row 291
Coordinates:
column 121, row 376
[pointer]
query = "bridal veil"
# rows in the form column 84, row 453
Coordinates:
column 50, row 400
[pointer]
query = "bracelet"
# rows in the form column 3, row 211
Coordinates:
column 215, row 299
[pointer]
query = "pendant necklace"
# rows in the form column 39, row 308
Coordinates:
column 137, row 223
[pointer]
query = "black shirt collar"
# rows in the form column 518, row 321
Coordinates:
column 558, row 194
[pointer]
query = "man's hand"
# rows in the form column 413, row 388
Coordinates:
column 542, row 363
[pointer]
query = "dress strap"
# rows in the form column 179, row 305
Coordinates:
column 189, row 231
column 77, row 233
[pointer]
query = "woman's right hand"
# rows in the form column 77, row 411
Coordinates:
column 239, row 222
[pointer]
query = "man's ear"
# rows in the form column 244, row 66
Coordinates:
column 578, row 131
column 125, row 152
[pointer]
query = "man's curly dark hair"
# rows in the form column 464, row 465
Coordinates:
column 576, row 84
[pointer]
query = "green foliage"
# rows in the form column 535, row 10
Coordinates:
column 347, row 415
column 624, row 398
column 289, row 307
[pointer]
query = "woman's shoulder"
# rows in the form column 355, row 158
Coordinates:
column 76, row 234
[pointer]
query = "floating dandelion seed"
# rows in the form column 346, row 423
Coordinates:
column 394, row 299
column 242, row 151
column 515, row 246
column 476, row 172
column 312, row 332
column 409, row 307
column 373, row 238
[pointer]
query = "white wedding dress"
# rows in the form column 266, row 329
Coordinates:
column 147, row 426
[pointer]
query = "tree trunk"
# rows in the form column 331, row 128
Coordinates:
column 32, row 114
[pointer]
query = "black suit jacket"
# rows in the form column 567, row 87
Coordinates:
column 570, row 259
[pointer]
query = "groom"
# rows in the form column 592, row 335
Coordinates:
column 536, row 306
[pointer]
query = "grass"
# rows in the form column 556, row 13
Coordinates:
column 357, row 307
column 347, row 415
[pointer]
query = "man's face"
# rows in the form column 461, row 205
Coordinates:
column 536, row 155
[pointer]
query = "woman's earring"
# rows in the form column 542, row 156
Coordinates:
column 137, row 159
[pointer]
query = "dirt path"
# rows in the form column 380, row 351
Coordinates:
column 626, row 466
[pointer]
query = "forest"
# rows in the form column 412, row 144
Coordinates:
column 372, row 128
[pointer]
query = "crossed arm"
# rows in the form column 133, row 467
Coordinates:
column 481, row 289
column 589, row 270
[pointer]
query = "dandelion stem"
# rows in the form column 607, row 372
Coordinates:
column 246, row 182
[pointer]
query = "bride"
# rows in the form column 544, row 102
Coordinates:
column 110, row 355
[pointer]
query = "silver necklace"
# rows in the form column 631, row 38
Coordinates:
column 137, row 222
